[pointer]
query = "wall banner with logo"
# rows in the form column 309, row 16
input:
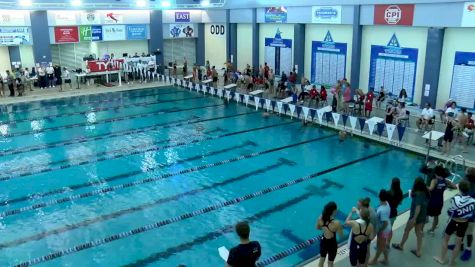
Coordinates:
column 393, row 67
column 136, row 32
column 328, row 61
column 182, row 30
column 182, row 16
column 394, row 14
column 14, row 36
column 64, row 18
column 90, row 18
column 113, row 32
column 278, row 53
column 276, row 14
column 65, row 34
column 90, row 33
column 113, row 17
column 326, row 14
column 468, row 15
column 12, row 18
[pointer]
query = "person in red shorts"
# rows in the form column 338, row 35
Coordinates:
column 368, row 104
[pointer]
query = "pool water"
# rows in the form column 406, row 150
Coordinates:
column 158, row 177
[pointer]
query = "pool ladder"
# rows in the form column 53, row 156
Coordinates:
column 452, row 165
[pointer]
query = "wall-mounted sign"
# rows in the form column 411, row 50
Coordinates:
column 393, row 67
column 182, row 31
column 461, row 90
column 12, row 19
column 276, row 14
column 328, row 61
column 111, row 17
column 182, row 16
column 468, row 16
column 90, row 18
column 66, row 34
column 326, row 14
column 394, row 14
column 278, row 53
column 217, row 29
column 90, row 33
column 113, row 32
column 136, row 32
column 65, row 18
column 14, row 36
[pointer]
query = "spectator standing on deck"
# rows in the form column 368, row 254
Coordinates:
column 436, row 201
column 329, row 227
column 384, row 228
column 417, row 217
column 395, row 197
column 461, row 211
column 247, row 252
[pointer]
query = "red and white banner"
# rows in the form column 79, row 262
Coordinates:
column 394, row 14
column 66, row 34
column 104, row 65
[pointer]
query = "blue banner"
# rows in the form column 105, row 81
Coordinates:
column 96, row 33
column 328, row 61
column 276, row 14
column 393, row 67
column 278, row 53
column 136, row 32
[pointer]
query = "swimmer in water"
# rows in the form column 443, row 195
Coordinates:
column 266, row 115
column 342, row 136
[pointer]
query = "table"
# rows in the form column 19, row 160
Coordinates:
column 432, row 136
column 102, row 73
column 207, row 81
column 256, row 92
column 230, row 86
column 287, row 100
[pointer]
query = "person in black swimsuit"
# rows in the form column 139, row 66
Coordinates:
column 329, row 227
column 448, row 136
column 436, row 201
column 361, row 234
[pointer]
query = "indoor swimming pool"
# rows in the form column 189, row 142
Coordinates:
column 159, row 177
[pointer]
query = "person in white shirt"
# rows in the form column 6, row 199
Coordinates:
column 151, row 68
column 67, row 77
column 42, row 77
column 50, row 75
column 427, row 115
column 451, row 112
column 28, row 84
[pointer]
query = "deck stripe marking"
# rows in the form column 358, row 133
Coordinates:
column 136, row 116
column 108, row 155
column 98, row 109
column 116, row 214
column 109, row 189
column 152, row 226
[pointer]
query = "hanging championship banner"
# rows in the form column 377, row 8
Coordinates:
column 305, row 112
column 279, row 107
column 292, row 110
column 353, row 122
column 336, row 118
column 390, row 130
column 268, row 102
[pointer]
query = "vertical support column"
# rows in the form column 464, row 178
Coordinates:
column 155, row 44
column 14, row 53
column 435, row 42
column 200, row 45
column 356, row 49
column 233, row 43
column 255, row 40
column 299, row 49
column 40, row 34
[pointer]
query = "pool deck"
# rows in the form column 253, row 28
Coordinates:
column 431, row 245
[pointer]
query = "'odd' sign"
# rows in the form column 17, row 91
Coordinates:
column 217, row 29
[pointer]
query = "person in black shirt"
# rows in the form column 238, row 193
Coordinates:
column 247, row 252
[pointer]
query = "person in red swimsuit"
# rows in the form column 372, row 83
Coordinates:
column 368, row 105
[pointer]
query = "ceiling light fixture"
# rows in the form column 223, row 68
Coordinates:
column 25, row 3
column 141, row 3
column 205, row 3
column 76, row 2
column 166, row 4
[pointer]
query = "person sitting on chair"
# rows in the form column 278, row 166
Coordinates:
column 427, row 115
